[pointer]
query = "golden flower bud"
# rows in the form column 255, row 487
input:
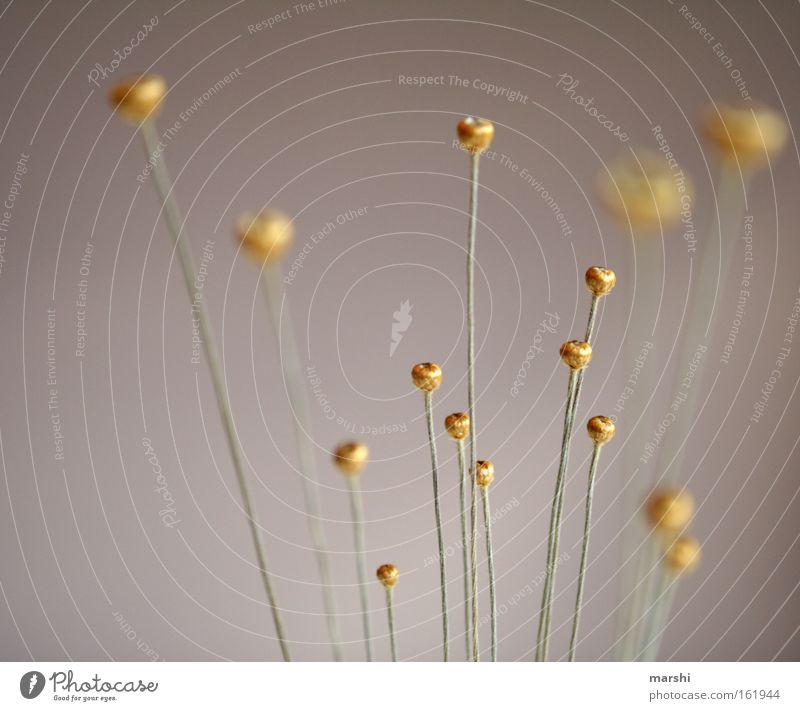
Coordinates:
column 388, row 575
column 457, row 425
column 427, row 376
column 266, row 235
column 138, row 97
column 752, row 134
column 669, row 509
column 643, row 191
column 475, row 134
column 576, row 354
column 600, row 280
column 601, row 429
column 683, row 556
column 351, row 457
column 484, row 473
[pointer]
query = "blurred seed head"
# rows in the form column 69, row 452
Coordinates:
column 351, row 457
column 138, row 98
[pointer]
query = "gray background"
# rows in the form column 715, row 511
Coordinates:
column 314, row 121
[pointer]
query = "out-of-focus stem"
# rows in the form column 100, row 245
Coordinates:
column 174, row 222
column 301, row 421
column 357, row 508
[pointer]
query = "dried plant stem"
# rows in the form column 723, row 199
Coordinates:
column 648, row 557
column 555, row 522
column 709, row 280
column 438, row 513
column 487, row 521
column 665, row 596
column 357, row 508
column 390, row 615
column 587, row 524
column 462, row 490
column 573, row 394
column 474, row 160
column 174, row 223
column 301, row 421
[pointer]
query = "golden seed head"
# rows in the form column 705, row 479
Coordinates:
column 600, row 280
column 351, row 457
column 683, row 555
column 751, row 134
column 427, row 376
column 643, row 191
column 475, row 134
column 601, row 429
column 484, row 474
column 457, row 425
column 266, row 235
column 388, row 575
column 138, row 98
column 576, row 354
column 669, row 509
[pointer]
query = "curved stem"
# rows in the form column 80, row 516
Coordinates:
column 474, row 160
column 174, row 223
column 357, row 509
column 438, row 513
column 277, row 301
column 487, row 520
column 587, row 522
column 390, row 614
column 462, row 491
column 555, row 522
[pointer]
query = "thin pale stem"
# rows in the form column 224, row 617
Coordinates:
column 587, row 523
column 357, row 508
column 556, row 530
column 438, row 513
column 474, row 160
column 174, row 223
column 658, row 618
column 487, row 521
column 390, row 615
column 462, row 490
column 648, row 558
column 277, row 301
column 555, row 522
column 473, row 513
column 709, row 280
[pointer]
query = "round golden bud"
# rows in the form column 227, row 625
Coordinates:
column 475, row 134
column 427, row 376
column 752, row 134
column 457, row 425
column 576, row 354
column 388, row 575
column 669, row 509
column 484, row 473
column 266, row 235
column 600, row 280
column 351, row 457
column 138, row 98
column 601, row 429
column 683, row 556
column 643, row 191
